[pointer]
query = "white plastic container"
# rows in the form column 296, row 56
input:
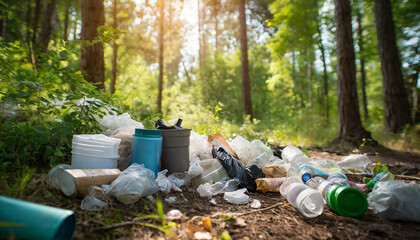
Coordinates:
column 307, row 200
column 93, row 151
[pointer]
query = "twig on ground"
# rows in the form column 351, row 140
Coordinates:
column 408, row 177
column 263, row 209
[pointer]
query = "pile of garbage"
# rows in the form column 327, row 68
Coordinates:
column 130, row 162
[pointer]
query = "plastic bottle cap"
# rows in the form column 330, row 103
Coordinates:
column 306, row 177
column 147, row 132
column 347, row 201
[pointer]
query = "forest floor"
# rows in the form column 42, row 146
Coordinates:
column 276, row 219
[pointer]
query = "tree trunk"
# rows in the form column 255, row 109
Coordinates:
column 309, row 78
column 246, row 83
column 200, row 40
column 28, row 24
column 362, row 65
column 161, row 49
column 397, row 110
column 66, row 22
column 350, row 125
column 36, row 21
column 114, row 50
column 92, row 59
column 324, row 80
column 47, row 26
column 3, row 26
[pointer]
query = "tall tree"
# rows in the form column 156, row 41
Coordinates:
column 114, row 48
column 3, row 25
column 66, row 20
column 362, row 63
column 92, row 59
column 161, row 49
column 38, row 6
column 350, row 125
column 47, row 26
column 397, row 109
column 246, row 83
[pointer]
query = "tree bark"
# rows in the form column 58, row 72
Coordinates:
column 246, row 83
column 38, row 6
column 309, row 78
column 362, row 65
column 161, row 49
column 92, row 59
column 324, row 80
column 397, row 109
column 66, row 22
column 350, row 125
column 28, row 24
column 3, row 26
column 46, row 30
column 114, row 50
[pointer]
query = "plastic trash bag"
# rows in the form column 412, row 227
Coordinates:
column 294, row 155
column 54, row 175
column 234, row 168
column 124, row 149
column 113, row 122
column 245, row 150
column 355, row 162
column 133, row 183
column 237, row 197
column 92, row 204
column 173, row 181
column 396, row 200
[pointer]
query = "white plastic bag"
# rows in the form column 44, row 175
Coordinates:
column 396, row 200
column 92, row 204
column 113, row 122
column 163, row 182
column 54, row 175
column 133, row 183
column 245, row 150
column 294, row 155
column 357, row 162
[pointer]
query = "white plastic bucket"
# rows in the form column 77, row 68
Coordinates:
column 82, row 161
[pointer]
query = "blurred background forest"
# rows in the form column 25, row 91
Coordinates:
column 265, row 69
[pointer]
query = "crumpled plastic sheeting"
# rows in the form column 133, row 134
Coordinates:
column 133, row 183
column 245, row 150
column 208, row 190
column 113, row 122
column 237, row 197
column 165, row 184
column 396, row 200
column 199, row 146
column 54, row 175
column 357, row 162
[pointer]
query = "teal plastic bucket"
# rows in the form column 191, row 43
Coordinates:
column 25, row 220
column 146, row 148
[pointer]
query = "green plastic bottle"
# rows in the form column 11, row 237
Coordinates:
column 344, row 200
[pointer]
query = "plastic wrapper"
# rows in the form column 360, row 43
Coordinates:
column 234, row 168
column 54, row 175
column 355, row 162
column 245, row 150
column 263, row 147
column 396, row 200
column 133, row 183
column 260, row 161
column 124, row 149
column 255, row 204
column 265, row 185
column 276, row 168
column 237, row 197
column 113, row 122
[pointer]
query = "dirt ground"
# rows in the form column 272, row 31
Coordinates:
column 276, row 219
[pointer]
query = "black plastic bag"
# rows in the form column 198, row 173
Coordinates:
column 234, row 168
column 255, row 171
column 159, row 124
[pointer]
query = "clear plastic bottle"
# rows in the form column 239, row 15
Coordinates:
column 341, row 179
column 344, row 200
column 307, row 200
